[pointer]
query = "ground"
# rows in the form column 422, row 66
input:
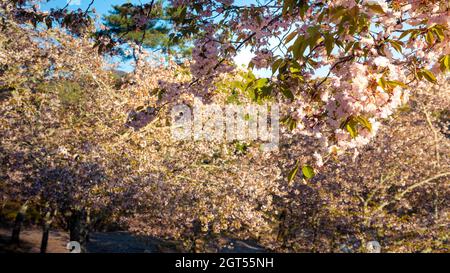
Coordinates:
column 106, row 242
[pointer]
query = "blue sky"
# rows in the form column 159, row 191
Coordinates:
column 103, row 6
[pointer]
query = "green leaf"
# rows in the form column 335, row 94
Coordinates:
column 396, row 83
column 276, row 65
column 382, row 83
column 299, row 47
column 183, row 12
column 260, row 83
column 376, row 8
column 445, row 63
column 428, row 75
column 337, row 13
column 252, row 94
column 265, row 91
column 288, row 6
column 397, row 45
column 439, row 33
column 290, row 123
column 308, row 172
column 290, row 37
column 329, row 43
column 295, row 67
column 349, row 46
column 287, row 93
column 406, row 33
column 364, row 122
column 314, row 36
column 429, row 37
column 293, row 172
column 351, row 128
column 303, row 8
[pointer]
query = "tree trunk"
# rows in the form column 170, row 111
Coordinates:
column 44, row 241
column 45, row 232
column 196, row 228
column 88, row 226
column 75, row 226
column 77, row 230
column 4, row 205
column 15, row 237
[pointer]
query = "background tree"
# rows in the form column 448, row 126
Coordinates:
column 146, row 25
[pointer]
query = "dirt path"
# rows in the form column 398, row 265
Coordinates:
column 31, row 241
column 107, row 242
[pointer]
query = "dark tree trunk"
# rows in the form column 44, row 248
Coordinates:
column 283, row 229
column 88, row 227
column 196, row 228
column 46, row 231
column 75, row 226
column 4, row 204
column 15, row 237
column 77, row 229
column 44, row 241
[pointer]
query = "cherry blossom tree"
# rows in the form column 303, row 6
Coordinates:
column 81, row 142
column 374, row 52
column 51, row 113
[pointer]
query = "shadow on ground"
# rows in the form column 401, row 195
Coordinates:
column 110, row 242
